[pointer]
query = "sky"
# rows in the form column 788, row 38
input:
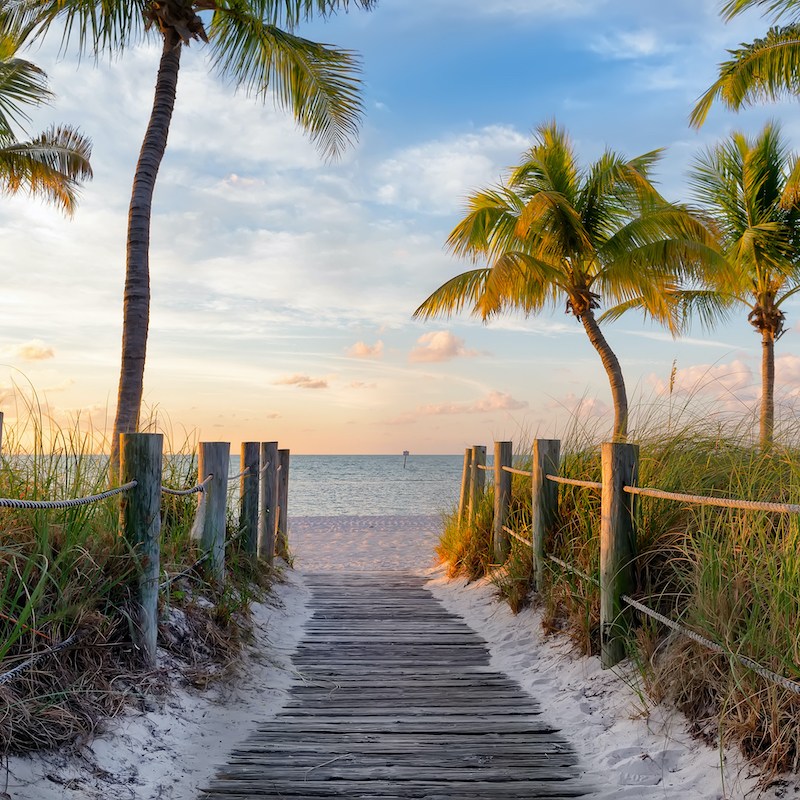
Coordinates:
column 283, row 285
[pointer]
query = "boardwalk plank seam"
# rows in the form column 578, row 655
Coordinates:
column 397, row 700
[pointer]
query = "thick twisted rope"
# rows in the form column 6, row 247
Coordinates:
column 781, row 680
column 8, row 502
column 527, row 474
column 68, row 642
column 723, row 502
column 200, row 487
column 574, row 482
column 245, row 471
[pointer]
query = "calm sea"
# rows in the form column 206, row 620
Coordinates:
column 373, row 485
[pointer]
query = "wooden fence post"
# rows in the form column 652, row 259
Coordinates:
column 476, row 479
column 268, row 501
column 140, row 524
column 463, row 498
column 248, row 495
column 282, row 538
column 503, row 456
column 1, row 431
column 544, row 501
column 620, row 467
column 214, row 459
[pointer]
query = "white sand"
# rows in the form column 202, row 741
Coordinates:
column 628, row 751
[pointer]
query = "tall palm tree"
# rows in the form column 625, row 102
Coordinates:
column 253, row 45
column 555, row 233
column 745, row 184
column 764, row 69
column 52, row 164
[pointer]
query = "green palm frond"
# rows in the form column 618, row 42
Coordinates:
column 314, row 80
column 774, row 8
column 21, row 84
column 549, row 165
column 553, row 226
column 489, row 226
column 451, row 297
column 53, row 165
column 766, row 69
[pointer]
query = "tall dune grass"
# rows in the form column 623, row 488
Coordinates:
column 68, row 571
column 733, row 576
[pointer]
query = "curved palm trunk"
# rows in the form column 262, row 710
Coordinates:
column 614, row 371
column 767, row 425
column 136, row 303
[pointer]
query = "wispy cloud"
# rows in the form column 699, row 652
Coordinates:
column 302, row 381
column 630, row 44
column 439, row 346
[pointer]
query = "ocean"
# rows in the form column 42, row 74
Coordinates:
column 336, row 486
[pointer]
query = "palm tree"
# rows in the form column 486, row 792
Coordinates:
column 52, row 164
column 746, row 186
column 254, row 46
column 555, row 233
column 765, row 69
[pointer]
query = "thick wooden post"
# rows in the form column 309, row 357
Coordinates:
column 140, row 524
column 214, row 459
column 620, row 467
column 248, row 495
column 1, row 431
column 476, row 479
column 268, row 501
column 503, row 456
column 282, row 537
column 544, row 501
column 463, row 498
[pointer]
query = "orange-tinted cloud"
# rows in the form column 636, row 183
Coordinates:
column 35, row 350
column 302, row 381
column 439, row 346
column 364, row 350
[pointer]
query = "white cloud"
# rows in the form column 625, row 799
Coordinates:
column 436, row 176
column 364, row 350
column 630, row 44
column 439, row 346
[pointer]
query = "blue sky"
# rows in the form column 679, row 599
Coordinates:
column 283, row 286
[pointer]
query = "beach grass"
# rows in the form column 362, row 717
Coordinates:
column 67, row 573
column 732, row 576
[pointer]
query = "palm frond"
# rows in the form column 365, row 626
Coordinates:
column 766, row 69
column 53, row 165
column 317, row 82
column 451, row 297
column 21, row 84
column 774, row 8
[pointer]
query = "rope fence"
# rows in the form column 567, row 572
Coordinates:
column 8, row 502
column 262, row 522
column 617, row 535
column 68, row 642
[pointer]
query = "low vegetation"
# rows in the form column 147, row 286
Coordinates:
column 67, row 573
column 733, row 576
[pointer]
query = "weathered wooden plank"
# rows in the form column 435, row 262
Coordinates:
column 397, row 699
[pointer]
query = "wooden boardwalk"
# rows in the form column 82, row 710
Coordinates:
column 398, row 701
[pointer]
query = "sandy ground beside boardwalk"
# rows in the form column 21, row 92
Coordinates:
column 628, row 750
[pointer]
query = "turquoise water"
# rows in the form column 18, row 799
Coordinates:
column 373, row 485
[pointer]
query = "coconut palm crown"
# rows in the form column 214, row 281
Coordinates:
column 555, row 233
column 254, row 47
column 746, row 184
column 53, row 164
column 767, row 68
